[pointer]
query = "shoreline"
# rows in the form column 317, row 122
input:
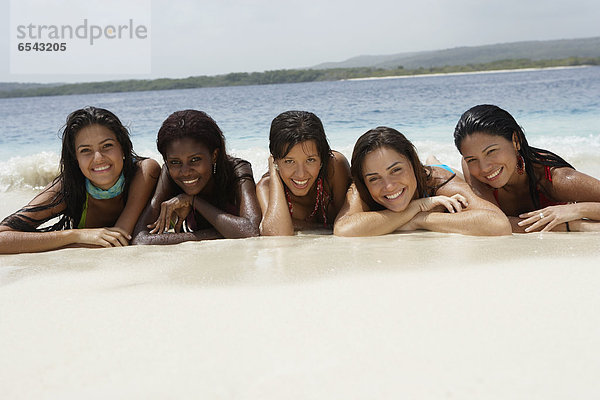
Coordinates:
column 468, row 73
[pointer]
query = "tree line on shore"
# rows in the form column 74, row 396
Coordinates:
column 282, row 76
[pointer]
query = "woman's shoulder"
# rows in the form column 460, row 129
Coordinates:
column 148, row 166
column 242, row 169
column 339, row 166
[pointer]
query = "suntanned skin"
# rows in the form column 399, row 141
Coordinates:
column 466, row 213
column 109, row 223
column 486, row 155
column 276, row 218
column 189, row 164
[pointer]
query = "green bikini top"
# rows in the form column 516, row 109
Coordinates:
column 81, row 224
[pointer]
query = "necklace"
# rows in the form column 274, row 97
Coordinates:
column 322, row 197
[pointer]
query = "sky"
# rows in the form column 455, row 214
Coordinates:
column 206, row 37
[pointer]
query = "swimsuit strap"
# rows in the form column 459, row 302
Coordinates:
column 322, row 197
column 444, row 166
column 548, row 173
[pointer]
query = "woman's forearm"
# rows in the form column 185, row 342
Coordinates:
column 228, row 225
column 480, row 222
column 277, row 220
column 374, row 223
column 147, row 238
column 13, row 242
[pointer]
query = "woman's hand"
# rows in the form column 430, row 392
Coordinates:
column 180, row 206
column 103, row 237
column 454, row 203
column 273, row 168
column 549, row 217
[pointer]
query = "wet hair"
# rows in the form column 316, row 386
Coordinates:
column 73, row 192
column 292, row 127
column 387, row 137
column 200, row 127
column 493, row 120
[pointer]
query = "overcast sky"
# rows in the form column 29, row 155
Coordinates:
column 208, row 37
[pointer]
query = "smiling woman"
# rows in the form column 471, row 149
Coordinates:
column 393, row 191
column 536, row 188
column 102, row 189
column 202, row 192
column 306, row 182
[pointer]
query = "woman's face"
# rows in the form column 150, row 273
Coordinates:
column 190, row 164
column 491, row 159
column 99, row 155
column 300, row 168
column 390, row 178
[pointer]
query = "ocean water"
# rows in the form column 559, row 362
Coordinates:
column 558, row 108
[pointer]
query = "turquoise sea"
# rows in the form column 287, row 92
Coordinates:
column 558, row 108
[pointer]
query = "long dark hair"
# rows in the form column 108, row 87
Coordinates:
column 72, row 191
column 200, row 127
column 292, row 127
column 383, row 136
column 493, row 120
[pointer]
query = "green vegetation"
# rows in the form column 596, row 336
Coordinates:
column 282, row 76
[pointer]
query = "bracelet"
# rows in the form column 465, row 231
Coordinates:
column 568, row 229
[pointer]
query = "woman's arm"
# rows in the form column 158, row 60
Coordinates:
column 229, row 225
column 140, row 190
column 153, row 224
column 13, row 241
column 569, row 186
column 355, row 218
column 479, row 218
column 276, row 218
column 339, row 176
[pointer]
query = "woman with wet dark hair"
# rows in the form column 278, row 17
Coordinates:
column 202, row 192
column 306, row 182
column 393, row 191
column 101, row 190
column 535, row 188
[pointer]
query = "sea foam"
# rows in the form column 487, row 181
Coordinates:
column 28, row 172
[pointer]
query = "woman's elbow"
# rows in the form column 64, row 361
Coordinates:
column 267, row 230
column 343, row 228
column 497, row 225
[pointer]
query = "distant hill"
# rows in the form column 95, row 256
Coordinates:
column 8, row 86
column 532, row 50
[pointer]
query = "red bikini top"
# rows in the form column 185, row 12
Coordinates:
column 544, row 201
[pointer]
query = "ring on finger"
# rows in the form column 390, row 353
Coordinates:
column 541, row 215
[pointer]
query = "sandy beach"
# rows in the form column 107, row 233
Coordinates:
column 423, row 315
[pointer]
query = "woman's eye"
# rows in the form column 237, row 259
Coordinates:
column 372, row 179
column 395, row 170
column 311, row 160
column 83, row 151
column 196, row 159
column 174, row 162
column 491, row 150
column 107, row 145
column 288, row 161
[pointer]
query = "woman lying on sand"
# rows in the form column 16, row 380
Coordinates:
column 306, row 182
column 393, row 191
column 206, row 193
column 101, row 190
column 537, row 189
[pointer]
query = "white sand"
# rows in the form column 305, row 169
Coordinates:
column 422, row 315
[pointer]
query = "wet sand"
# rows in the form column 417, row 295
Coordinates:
column 424, row 315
